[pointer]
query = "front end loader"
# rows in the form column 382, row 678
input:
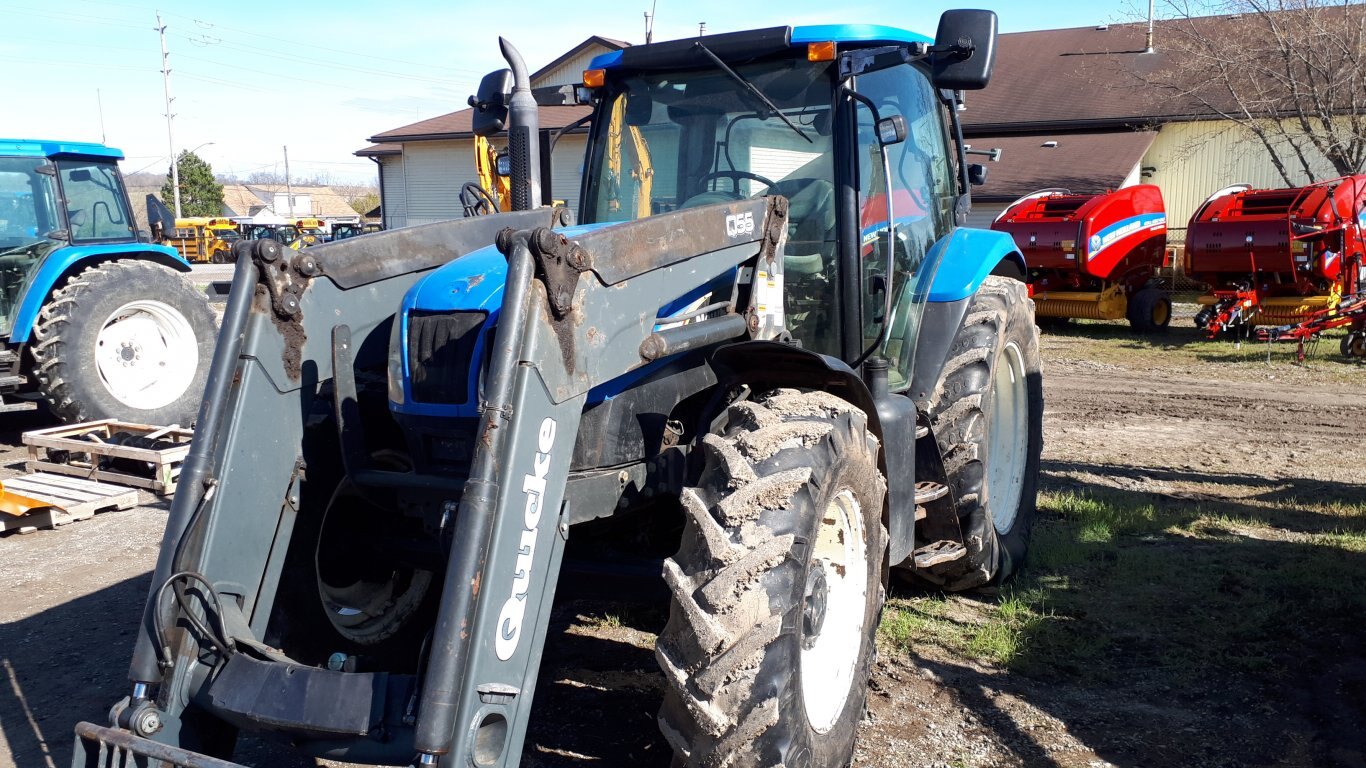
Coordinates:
column 783, row 358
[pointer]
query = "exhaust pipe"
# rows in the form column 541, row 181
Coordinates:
column 523, row 129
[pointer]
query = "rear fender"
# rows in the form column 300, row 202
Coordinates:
column 968, row 257
column 63, row 263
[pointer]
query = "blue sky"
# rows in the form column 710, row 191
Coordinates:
column 253, row 76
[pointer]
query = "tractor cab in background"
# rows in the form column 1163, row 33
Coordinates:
column 134, row 335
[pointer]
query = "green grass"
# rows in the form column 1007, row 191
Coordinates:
column 1112, row 342
column 1144, row 590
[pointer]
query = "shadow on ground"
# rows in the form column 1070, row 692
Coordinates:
column 1175, row 631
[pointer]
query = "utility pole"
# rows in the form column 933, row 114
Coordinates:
column 289, row 189
column 170, row 135
column 650, row 23
column 99, row 101
column 701, row 28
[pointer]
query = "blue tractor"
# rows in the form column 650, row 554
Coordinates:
column 770, row 358
column 96, row 320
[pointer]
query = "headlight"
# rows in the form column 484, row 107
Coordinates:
column 396, row 361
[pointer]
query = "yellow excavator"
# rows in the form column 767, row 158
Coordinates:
column 493, row 193
column 642, row 174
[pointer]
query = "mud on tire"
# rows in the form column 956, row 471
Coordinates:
column 78, row 329
column 991, row 382
column 777, row 588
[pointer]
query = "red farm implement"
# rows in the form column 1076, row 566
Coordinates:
column 1094, row 256
column 1280, row 257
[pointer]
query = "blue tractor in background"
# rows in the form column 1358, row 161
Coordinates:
column 769, row 360
column 98, row 321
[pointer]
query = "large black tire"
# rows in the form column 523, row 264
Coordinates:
column 82, row 335
column 1149, row 310
column 997, row 348
column 755, row 583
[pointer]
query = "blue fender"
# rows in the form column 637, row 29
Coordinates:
column 966, row 257
column 66, row 261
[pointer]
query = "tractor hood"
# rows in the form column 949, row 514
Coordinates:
column 443, row 327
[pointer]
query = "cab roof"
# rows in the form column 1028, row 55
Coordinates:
column 55, row 149
column 751, row 43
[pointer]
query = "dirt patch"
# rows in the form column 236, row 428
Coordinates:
column 1269, row 452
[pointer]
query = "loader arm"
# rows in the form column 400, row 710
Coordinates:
column 573, row 327
column 558, row 336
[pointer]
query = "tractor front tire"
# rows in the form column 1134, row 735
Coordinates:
column 1150, row 310
column 129, row 340
column 987, row 414
column 777, row 588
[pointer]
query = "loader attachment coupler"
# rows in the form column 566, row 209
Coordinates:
column 102, row 747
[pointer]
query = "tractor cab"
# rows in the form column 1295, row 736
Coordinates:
column 52, row 197
column 846, row 122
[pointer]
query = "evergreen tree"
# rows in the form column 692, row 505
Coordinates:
column 200, row 195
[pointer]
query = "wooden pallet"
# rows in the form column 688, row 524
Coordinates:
column 71, row 498
column 86, row 454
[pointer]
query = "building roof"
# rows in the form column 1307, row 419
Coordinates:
column 376, row 150
column 244, row 200
column 456, row 125
column 604, row 42
column 1085, row 163
column 1057, row 78
column 325, row 201
column 240, row 201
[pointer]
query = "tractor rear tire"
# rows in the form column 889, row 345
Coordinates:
column 1150, row 310
column 987, row 415
column 129, row 340
column 777, row 588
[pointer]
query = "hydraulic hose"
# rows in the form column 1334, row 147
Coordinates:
column 190, row 487
column 442, row 685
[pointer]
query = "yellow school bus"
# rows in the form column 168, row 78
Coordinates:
column 203, row 239
column 311, row 232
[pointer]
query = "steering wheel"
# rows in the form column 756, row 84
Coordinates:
column 735, row 177
column 476, row 200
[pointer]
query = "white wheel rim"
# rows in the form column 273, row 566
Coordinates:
column 829, row 663
column 1007, row 439
column 146, row 353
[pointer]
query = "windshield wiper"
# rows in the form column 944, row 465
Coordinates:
column 748, row 86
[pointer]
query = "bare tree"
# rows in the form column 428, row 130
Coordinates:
column 1292, row 73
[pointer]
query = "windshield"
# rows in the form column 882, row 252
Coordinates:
column 28, row 211
column 682, row 139
column 96, row 205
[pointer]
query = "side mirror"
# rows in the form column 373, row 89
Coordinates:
column 159, row 218
column 491, row 104
column 891, row 130
column 964, row 50
column 640, row 107
column 80, row 174
column 977, row 174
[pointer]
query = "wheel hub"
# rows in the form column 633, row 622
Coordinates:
column 814, row 606
column 146, row 354
column 1007, row 439
column 834, row 608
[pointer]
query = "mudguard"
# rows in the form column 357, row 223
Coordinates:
column 966, row 257
column 67, row 261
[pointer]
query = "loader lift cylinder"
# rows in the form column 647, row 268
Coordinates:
column 440, row 701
